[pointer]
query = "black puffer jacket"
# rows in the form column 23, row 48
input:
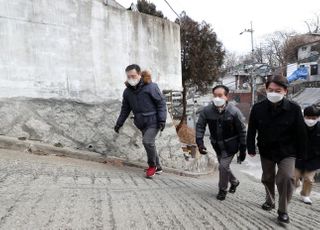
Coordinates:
column 231, row 122
column 281, row 130
column 312, row 160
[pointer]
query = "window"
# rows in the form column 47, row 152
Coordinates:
column 316, row 47
column 313, row 69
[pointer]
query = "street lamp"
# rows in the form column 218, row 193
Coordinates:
column 253, row 87
column 250, row 31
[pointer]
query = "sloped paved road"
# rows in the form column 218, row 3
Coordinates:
column 46, row 192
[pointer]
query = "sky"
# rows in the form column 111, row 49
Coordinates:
column 230, row 17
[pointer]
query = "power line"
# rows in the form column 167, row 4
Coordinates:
column 172, row 9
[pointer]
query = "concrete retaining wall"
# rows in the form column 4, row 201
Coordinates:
column 84, row 126
column 62, row 75
column 78, row 49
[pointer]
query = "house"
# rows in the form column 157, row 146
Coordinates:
column 243, row 75
column 308, row 58
column 241, row 86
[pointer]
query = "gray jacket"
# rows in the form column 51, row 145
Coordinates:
column 227, row 129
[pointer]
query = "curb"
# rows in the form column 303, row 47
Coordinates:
column 39, row 148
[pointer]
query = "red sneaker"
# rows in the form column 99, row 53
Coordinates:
column 151, row 171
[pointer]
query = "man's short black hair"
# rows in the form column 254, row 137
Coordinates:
column 311, row 111
column 133, row 66
column 226, row 89
column 279, row 80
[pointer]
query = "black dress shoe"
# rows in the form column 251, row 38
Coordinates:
column 283, row 217
column 222, row 195
column 266, row 206
column 233, row 187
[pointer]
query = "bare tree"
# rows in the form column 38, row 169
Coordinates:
column 290, row 48
column 280, row 47
column 258, row 54
column 314, row 24
column 276, row 49
column 231, row 60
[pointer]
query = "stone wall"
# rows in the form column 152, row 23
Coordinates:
column 89, row 127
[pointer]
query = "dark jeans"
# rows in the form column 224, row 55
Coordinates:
column 148, row 140
column 284, row 179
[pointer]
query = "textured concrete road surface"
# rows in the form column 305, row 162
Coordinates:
column 47, row 192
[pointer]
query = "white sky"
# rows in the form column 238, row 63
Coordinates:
column 229, row 17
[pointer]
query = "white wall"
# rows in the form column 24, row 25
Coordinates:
column 55, row 53
column 78, row 49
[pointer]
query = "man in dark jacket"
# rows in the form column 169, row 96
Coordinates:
column 227, row 135
column 148, row 105
column 281, row 138
column 306, row 168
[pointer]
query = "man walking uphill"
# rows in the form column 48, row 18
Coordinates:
column 227, row 135
column 281, row 138
column 148, row 105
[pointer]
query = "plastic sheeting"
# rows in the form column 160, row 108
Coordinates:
column 300, row 73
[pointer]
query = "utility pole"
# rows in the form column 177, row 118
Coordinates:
column 253, row 80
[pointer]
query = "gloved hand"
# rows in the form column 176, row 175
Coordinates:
column 202, row 150
column 162, row 125
column 242, row 156
column 116, row 128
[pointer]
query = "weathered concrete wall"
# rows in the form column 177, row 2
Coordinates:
column 79, row 49
column 62, row 72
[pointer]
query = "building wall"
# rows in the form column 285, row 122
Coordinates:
column 243, row 102
column 304, row 52
column 79, row 49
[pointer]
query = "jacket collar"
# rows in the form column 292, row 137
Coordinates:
column 145, row 79
column 140, row 84
column 224, row 108
column 284, row 104
column 316, row 127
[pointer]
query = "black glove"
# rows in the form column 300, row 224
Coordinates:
column 242, row 156
column 202, row 150
column 199, row 142
column 162, row 125
column 242, row 148
column 116, row 128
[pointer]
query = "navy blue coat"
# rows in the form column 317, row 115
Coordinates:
column 147, row 104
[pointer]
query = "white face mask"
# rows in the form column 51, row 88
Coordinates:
column 133, row 82
column 218, row 101
column 275, row 97
column 310, row 122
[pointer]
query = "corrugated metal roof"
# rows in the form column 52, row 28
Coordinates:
column 308, row 97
